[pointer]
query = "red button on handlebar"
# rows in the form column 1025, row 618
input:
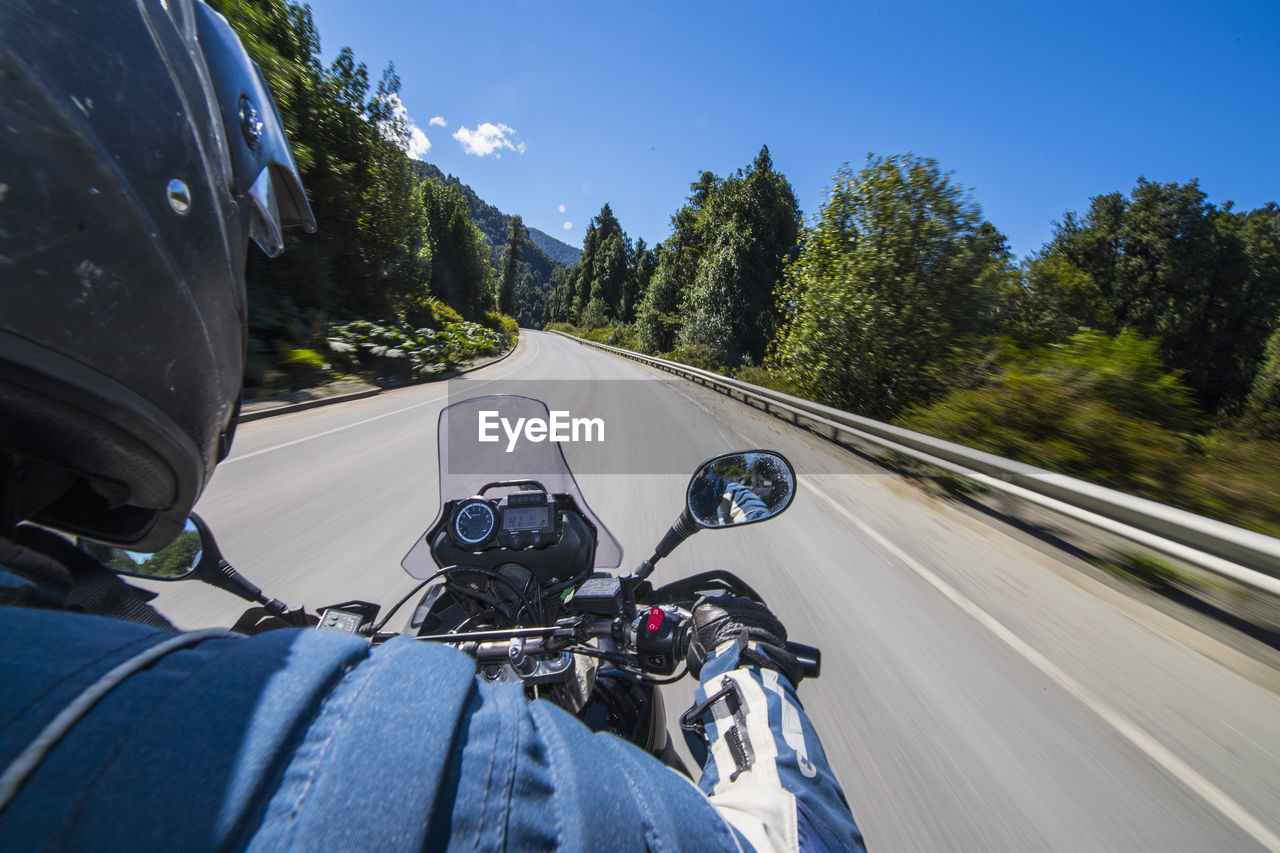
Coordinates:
column 655, row 619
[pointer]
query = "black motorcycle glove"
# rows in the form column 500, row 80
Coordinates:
column 725, row 618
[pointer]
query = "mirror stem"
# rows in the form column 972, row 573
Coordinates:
column 680, row 531
column 216, row 571
column 274, row 606
column 225, row 577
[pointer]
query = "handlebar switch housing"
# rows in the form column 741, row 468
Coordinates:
column 349, row 617
column 658, row 638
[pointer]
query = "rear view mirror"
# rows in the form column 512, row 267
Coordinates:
column 733, row 489
column 740, row 488
column 173, row 563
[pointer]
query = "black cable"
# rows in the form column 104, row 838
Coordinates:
column 467, row 621
column 563, row 585
column 611, row 657
column 657, row 682
column 484, row 596
column 623, row 666
column 521, row 595
column 400, row 603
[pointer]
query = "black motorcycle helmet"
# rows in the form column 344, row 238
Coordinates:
column 139, row 152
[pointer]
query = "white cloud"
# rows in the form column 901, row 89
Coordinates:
column 437, row 121
column 488, row 139
column 562, row 208
column 418, row 144
column 568, row 226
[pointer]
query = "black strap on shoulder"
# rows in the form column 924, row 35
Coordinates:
column 29, row 759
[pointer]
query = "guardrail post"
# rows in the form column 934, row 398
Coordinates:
column 1009, row 505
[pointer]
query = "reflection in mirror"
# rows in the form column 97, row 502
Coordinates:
column 173, row 563
column 741, row 488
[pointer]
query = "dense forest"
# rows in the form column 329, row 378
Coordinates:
column 1139, row 348
column 557, row 250
column 709, row 287
column 535, row 265
column 400, row 281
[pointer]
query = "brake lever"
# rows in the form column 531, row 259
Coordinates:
column 716, row 579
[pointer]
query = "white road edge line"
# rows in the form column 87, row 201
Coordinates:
column 1127, row 729
column 235, row 459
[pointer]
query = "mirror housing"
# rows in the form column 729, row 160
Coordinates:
column 740, row 488
column 176, row 561
column 194, row 554
column 726, row 491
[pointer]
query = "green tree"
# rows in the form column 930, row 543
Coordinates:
column 1262, row 413
column 532, row 302
column 1203, row 281
column 460, row 274
column 713, row 284
column 560, row 299
column 1095, row 407
column 1269, row 213
column 1266, row 385
column 640, row 270
column 749, row 224
column 717, row 313
column 1048, row 300
column 535, row 265
column 580, row 275
column 517, row 237
column 600, row 278
column 609, row 273
column 899, row 268
column 373, row 253
column 658, row 319
column 393, row 232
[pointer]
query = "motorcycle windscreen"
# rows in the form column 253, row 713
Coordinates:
column 476, row 449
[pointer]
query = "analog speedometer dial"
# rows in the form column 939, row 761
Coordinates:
column 474, row 522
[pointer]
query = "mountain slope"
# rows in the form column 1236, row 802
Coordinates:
column 495, row 224
column 557, row 250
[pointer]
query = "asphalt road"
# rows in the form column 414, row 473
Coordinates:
column 975, row 694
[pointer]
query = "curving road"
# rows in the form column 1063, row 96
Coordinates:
column 976, row 695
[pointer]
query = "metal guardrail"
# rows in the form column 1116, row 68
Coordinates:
column 1243, row 556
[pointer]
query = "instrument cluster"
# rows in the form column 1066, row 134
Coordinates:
column 518, row 521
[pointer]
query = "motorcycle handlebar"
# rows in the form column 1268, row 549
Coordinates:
column 672, row 646
column 487, row 646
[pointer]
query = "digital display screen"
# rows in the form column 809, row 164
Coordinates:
column 526, row 517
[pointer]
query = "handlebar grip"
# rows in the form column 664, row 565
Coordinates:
column 810, row 658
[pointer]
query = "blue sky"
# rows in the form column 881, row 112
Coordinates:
column 1036, row 107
